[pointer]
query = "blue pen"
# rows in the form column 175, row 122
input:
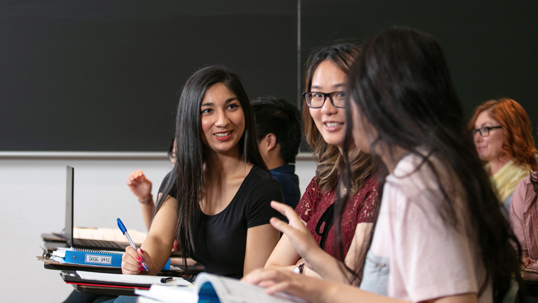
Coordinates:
column 124, row 231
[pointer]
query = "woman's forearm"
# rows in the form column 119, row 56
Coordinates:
column 283, row 255
column 158, row 251
column 147, row 210
column 325, row 266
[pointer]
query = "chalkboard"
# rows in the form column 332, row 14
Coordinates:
column 106, row 75
column 490, row 46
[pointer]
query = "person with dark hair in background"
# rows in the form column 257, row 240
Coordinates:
column 439, row 235
column 324, row 124
column 503, row 137
column 278, row 126
column 215, row 201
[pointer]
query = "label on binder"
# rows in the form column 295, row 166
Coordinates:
column 99, row 259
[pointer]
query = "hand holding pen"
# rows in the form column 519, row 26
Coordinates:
column 126, row 233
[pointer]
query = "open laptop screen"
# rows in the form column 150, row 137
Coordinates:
column 69, row 205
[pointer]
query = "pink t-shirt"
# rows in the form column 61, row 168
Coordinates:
column 524, row 218
column 423, row 258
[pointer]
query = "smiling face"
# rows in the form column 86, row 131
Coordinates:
column 222, row 119
column 489, row 148
column 329, row 120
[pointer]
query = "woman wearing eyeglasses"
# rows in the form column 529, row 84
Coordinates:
column 324, row 126
column 503, row 139
column 438, row 236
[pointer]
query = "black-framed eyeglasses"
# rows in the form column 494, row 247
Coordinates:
column 484, row 131
column 317, row 100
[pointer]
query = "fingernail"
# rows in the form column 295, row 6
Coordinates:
column 138, row 259
column 141, row 269
column 141, row 250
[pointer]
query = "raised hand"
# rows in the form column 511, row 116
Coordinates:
column 140, row 186
column 297, row 233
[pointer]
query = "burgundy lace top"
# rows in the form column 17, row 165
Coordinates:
column 359, row 209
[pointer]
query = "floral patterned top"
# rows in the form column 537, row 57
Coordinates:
column 359, row 209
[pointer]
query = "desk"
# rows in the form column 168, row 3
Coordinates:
column 53, row 242
column 104, row 291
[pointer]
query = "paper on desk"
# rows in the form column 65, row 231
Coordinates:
column 168, row 294
column 130, row 279
column 60, row 252
column 108, row 234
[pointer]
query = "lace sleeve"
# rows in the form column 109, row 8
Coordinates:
column 306, row 207
column 368, row 207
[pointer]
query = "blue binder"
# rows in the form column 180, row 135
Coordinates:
column 98, row 257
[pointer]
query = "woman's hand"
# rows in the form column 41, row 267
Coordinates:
column 299, row 237
column 140, row 185
column 532, row 264
column 131, row 263
column 277, row 280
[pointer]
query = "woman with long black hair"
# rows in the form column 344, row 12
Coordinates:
column 439, row 234
column 216, row 198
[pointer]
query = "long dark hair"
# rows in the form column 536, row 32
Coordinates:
column 402, row 89
column 187, row 175
column 328, row 157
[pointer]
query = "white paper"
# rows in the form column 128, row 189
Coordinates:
column 130, row 279
column 169, row 294
column 60, row 251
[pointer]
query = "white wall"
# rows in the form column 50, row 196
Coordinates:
column 32, row 201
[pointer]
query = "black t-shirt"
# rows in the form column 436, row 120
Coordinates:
column 220, row 240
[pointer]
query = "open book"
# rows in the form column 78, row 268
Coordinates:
column 212, row 288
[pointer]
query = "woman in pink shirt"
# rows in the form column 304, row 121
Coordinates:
column 439, row 235
column 524, row 218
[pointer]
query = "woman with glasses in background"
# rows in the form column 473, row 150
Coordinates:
column 324, row 126
column 503, row 138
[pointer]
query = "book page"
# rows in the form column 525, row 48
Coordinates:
column 130, row 279
column 234, row 291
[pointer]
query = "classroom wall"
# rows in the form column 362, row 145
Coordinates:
column 32, row 195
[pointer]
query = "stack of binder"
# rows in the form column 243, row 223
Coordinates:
column 92, row 257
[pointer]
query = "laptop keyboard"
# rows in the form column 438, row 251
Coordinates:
column 99, row 244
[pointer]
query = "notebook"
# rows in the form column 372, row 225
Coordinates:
column 69, row 224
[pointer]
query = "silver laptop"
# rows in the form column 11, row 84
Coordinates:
column 69, row 215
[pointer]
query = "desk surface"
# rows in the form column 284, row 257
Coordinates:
column 52, row 243
column 105, row 291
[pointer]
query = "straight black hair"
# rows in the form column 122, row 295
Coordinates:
column 187, row 176
column 401, row 88
column 277, row 116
